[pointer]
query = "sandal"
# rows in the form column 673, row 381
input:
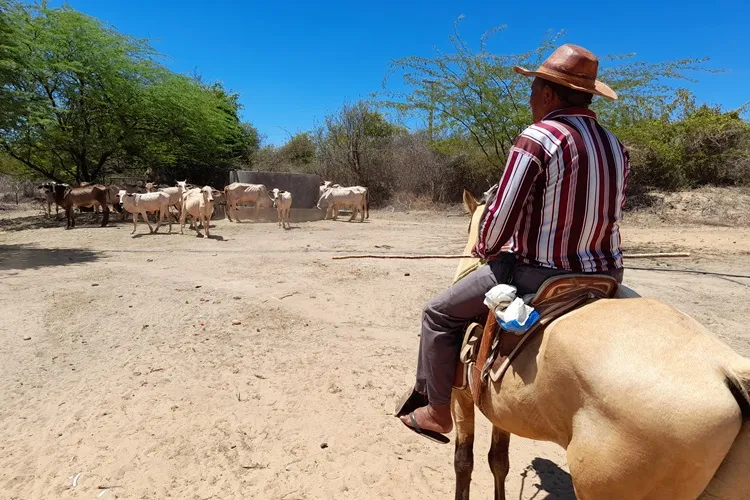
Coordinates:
column 431, row 435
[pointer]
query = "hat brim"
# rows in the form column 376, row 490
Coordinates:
column 599, row 88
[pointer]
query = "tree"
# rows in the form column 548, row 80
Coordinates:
column 478, row 95
column 353, row 148
column 299, row 152
column 89, row 99
column 10, row 62
column 251, row 140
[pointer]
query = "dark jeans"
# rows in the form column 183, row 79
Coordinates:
column 445, row 318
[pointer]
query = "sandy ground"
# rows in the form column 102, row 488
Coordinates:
column 121, row 366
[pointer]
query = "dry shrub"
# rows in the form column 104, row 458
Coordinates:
column 16, row 190
column 404, row 201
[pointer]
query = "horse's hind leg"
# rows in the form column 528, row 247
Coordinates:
column 462, row 408
column 732, row 481
column 608, row 460
column 499, row 460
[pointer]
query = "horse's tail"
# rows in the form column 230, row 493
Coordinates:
column 738, row 381
column 731, row 479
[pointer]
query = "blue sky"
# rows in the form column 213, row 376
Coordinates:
column 292, row 63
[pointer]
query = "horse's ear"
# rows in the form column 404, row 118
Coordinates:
column 470, row 202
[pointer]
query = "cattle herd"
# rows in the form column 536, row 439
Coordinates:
column 196, row 202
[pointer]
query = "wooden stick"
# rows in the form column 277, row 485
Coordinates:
column 655, row 255
column 415, row 257
column 386, row 256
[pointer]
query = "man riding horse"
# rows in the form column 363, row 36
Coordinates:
column 556, row 210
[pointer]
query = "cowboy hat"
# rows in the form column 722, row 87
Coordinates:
column 574, row 67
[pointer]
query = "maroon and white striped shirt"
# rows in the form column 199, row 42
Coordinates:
column 560, row 198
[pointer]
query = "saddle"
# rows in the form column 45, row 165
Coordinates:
column 488, row 350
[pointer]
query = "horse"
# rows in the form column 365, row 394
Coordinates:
column 647, row 403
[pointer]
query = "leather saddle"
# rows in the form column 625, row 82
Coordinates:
column 488, row 350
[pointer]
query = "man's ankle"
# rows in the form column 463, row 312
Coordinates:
column 440, row 413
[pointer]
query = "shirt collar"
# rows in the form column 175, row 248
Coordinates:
column 571, row 112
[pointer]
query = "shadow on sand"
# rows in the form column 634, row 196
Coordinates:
column 30, row 257
column 555, row 482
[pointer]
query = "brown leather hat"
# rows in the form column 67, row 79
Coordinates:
column 573, row 67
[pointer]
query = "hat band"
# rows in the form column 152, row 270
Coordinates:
column 580, row 80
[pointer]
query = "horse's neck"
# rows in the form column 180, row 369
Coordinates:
column 469, row 262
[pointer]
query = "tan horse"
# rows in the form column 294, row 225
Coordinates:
column 646, row 401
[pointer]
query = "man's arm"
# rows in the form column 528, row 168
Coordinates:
column 503, row 213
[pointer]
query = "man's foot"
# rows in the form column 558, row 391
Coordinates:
column 436, row 419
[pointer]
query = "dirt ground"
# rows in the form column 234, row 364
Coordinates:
column 122, row 370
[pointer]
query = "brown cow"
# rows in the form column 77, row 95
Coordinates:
column 87, row 196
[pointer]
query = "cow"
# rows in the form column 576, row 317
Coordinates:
column 238, row 192
column 49, row 195
column 282, row 201
column 141, row 203
column 325, row 186
column 328, row 185
column 113, row 198
column 176, row 194
column 87, row 196
column 128, row 188
column 198, row 203
column 336, row 198
column 363, row 190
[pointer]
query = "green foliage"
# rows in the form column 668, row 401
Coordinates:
column 299, row 152
column 476, row 97
column 88, row 100
column 705, row 146
column 297, row 155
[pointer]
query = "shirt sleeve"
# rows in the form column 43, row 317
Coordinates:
column 525, row 163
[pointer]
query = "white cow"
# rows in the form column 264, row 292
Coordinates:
column 141, row 203
column 199, row 204
column 238, row 192
column 325, row 186
column 175, row 195
column 338, row 198
column 359, row 189
column 129, row 188
column 282, row 201
column 366, row 193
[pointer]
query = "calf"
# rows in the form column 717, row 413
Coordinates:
column 198, row 203
column 141, row 203
column 282, row 201
column 49, row 194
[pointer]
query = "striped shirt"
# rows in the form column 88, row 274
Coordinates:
column 560, row 198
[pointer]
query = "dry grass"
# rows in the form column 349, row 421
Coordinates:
column 717, row 206
column 407, row 202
